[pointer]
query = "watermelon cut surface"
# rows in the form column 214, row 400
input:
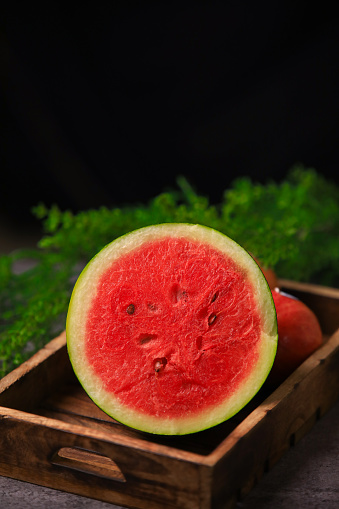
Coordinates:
column 172, row 328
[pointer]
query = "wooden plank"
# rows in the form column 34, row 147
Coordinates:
column 75, row 401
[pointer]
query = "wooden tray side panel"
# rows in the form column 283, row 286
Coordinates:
column 32, row 450
column 31, row 382
column 276, row 425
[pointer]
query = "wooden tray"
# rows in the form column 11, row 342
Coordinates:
column 51, row 433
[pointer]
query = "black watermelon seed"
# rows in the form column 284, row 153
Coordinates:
column 130, row 309
column 212, row 319
column 214, row 297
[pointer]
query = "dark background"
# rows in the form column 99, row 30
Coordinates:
column 107, row 103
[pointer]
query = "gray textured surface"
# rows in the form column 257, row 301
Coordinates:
column 306, row 477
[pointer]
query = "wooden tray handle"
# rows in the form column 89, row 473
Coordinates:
column 89, row 462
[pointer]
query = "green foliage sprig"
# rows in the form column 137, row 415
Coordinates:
column 292, row 226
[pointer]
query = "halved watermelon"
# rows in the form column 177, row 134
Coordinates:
column 172, row 328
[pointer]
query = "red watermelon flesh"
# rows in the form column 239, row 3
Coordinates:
column 172, row 331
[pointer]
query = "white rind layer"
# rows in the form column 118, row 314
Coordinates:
column 81, row 299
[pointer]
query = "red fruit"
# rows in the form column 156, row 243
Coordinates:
column 299, row 335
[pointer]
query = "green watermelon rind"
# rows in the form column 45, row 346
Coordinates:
column 80, row 301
